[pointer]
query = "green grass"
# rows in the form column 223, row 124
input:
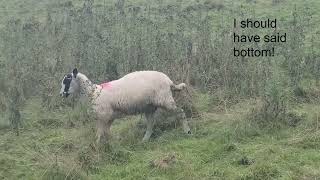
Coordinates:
column 223, row 146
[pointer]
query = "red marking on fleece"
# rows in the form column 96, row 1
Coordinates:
column 106, row 85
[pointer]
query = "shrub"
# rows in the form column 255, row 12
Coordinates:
column 272, row 110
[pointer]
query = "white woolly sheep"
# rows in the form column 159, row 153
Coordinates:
column 138, row 92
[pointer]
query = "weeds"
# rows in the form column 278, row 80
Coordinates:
column 189, row 41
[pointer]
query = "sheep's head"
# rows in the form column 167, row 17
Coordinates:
column 69, row 84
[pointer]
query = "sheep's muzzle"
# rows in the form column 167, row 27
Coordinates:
column 65, row 94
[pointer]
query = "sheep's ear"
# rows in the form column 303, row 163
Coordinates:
column 75, row 72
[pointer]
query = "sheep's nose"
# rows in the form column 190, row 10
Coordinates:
column 63, row 94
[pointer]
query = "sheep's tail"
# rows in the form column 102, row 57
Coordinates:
column 178, row 87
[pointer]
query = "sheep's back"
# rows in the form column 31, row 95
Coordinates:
column 137, row 89
column 145, row 80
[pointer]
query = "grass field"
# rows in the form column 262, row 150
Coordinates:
column 225, row 144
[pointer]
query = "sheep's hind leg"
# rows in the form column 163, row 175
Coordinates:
column 150, row 124
column 185, row 123
column 172, row 107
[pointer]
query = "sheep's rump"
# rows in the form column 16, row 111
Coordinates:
column 138, row 91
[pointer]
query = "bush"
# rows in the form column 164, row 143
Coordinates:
column 272, row 110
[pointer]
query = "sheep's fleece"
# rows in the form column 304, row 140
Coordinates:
column 138, row 92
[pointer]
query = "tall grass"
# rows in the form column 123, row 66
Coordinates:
column 191, row 42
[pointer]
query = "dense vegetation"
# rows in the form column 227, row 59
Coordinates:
column 258, row 118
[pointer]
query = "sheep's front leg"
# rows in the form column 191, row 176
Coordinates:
column 150, row 123
column 103, row 130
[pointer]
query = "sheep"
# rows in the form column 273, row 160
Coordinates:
column 146, row 92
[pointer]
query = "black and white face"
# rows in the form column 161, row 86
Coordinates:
column 69, row 84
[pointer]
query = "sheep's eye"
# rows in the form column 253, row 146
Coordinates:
column 67, row 79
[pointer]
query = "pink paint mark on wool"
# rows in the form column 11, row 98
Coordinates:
column 106, row 85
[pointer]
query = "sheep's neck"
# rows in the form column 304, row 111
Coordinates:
column 87, row 89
